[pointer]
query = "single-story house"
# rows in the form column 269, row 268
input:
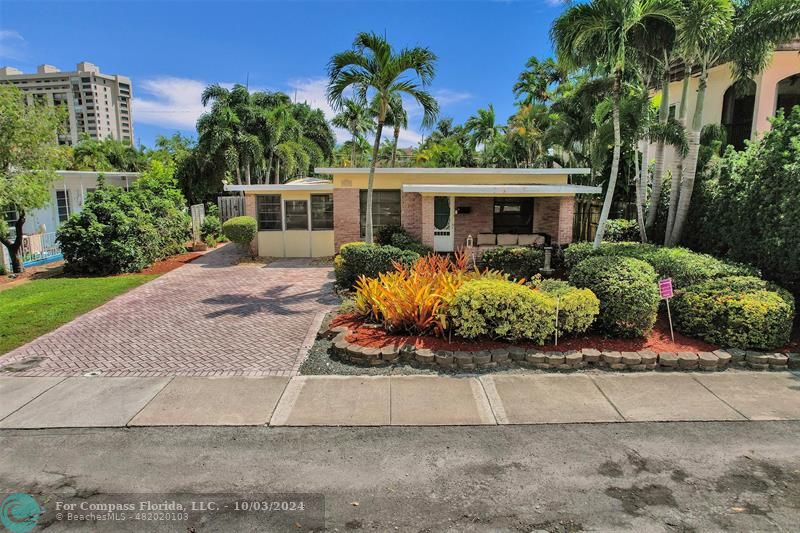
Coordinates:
column 442, row 207
column 67, row 195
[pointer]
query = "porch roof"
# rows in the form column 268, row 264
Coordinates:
column 454, row 170
column 303, row 184
column 502, row 190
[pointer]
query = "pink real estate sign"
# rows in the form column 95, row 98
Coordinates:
column 665, row 287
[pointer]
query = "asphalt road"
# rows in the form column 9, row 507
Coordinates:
column 742, row 476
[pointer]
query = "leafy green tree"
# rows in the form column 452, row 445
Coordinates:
column 373, row 69
column 598, row 36
column 29, row 155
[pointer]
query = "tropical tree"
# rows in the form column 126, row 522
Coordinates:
column 29, row 157
column 355, row 117
column 397, row 118
column 713, row 31
column 482, row 126
column 374, row 69
column 534, row 83
column 598, row 35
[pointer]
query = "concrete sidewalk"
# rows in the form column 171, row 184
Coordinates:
column 32, row 403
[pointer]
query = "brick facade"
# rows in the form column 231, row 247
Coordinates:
column 566, row 218
column 250, row 211
column 346, row 216
column 411, row 213
column 426, row 208
column 478, row 220
column 545, row 216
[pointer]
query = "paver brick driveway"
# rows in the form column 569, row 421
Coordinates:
column 209, row 317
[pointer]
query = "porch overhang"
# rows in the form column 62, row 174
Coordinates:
column 501, row 190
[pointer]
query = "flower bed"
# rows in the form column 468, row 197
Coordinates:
column 366, row 344
column 436, row 311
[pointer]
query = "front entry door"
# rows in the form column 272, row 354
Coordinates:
column 443, row 234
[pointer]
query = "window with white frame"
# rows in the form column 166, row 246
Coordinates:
column 385, row 209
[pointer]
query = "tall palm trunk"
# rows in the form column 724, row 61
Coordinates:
column 371, row 181
column 394, row 144
column 612, row 179
column 677, row 170
column 277, row 171
column 641, row 186
column 269, row 167
column 690, row 165
column 353, row 149
column 658, row 171
column 247, row 171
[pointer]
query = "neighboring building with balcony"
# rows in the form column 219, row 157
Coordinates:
column 743, row 111
column 98, row 104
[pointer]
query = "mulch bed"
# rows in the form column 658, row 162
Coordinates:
column 658, row 340
column 170, row 263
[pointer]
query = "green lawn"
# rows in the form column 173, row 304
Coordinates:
column 36, row 307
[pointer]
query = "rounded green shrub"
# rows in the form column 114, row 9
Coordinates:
column 517, row 261
column 575, row 253
column 577, row 308
column 628, row 293
column 241, row 230
column 399, row 237
column 736, row 312
column 502, row 310
column 362, row 259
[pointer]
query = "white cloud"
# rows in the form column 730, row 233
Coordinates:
column 447, row 97
column 169, row 102
column 12, row 45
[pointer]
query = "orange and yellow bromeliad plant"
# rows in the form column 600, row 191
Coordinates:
column 416, row 299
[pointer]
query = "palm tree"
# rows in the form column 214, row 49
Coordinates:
column 597, row 35
column 372, row 66
column 355, row 118
column 713, row 31
column 397, row 118
column 533, row 84
column 482, row 126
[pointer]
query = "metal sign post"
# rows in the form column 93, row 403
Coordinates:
column 665, row 288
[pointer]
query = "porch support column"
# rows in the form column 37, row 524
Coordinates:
column 427, row 221
column 566, row 218
column 250, row 211
column 346, row 216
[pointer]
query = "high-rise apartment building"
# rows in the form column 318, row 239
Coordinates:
column 98, row 104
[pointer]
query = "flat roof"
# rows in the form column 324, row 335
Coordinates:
column 455, row 170
column 508, row 190
column 96, row 173
column 273, row 187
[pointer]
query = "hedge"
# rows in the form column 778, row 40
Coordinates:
column 502, row 310
column 627, row 290
column 684, row 266
column 745, row 205
column 399, row 237
column 361, row 259
column 120, row 231
column 736, row 312
column 517, row 261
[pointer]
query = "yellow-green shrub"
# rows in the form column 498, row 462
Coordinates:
column 737, row 312
column 502, row 310
column 577, row 308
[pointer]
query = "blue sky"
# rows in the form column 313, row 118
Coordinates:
column 172, row 49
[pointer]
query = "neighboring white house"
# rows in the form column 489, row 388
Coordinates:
column 67, row 196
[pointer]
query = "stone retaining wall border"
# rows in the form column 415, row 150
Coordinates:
column 571, row 360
